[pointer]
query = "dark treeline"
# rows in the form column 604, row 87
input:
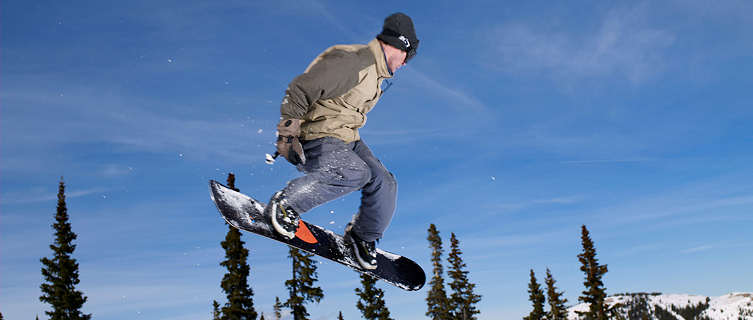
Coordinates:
column 594, row 293
column 461, row 302
column 454, row 298
column 635, row 307
column 457, row 303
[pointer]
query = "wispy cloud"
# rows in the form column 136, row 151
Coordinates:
column 697, row 249
column 114, row 170
column 517, row 206
column 38, row 195
column 605, row 161
column 692, row 202
column 624, row 44
column 687, row 204
column 459, row 99
column 636, row 250
column 97, row 114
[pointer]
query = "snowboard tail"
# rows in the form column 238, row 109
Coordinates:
column 246, row 213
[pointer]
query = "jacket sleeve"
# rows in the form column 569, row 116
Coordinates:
column 331, row 75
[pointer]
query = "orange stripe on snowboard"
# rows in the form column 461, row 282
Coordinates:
column 304, row 233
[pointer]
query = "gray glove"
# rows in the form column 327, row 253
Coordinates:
column 288, row 144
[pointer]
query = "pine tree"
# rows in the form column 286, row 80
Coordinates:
column 61, row 272
column 240, row 304
column 557, row 308
column 536, row 296
column 637, row 308
column 595, row 292
column 301, row 286
column 463, row 300
column 278, row 308
column 339, row 316
column 436, row 299
column 371, row 300
column 262, row 316
column 216, row 310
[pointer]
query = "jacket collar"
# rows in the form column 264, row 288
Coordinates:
column 381, row 60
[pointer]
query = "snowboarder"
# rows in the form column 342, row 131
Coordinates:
column 318, row 133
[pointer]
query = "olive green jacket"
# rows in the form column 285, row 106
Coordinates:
column 336, row 91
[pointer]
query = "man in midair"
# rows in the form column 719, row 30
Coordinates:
column 321, row 113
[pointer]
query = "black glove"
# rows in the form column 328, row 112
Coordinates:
column 288, row 144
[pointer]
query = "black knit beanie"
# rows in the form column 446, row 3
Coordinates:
column 398, row 32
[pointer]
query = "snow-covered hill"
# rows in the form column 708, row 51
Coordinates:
column 733, row 306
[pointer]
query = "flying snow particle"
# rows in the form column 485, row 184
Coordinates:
column 332, row 222
column 332, row 211
column 169, row 60
column 494, row 178
column 260, row 131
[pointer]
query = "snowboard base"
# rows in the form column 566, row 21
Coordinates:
column 246, row 213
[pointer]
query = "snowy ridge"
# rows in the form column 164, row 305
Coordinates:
column 732, row 306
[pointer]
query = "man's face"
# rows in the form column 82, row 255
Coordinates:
column 397, row 60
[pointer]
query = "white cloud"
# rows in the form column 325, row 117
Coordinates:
column 102, row 115
column 516, row 206
column 606, row 161
column 697, row 249
column 39, row 195
column 114, row 170
column 461, row 100
column 624, row 45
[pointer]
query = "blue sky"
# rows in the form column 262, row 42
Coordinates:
column 513, row 126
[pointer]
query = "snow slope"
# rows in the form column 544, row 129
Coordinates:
column 733, row 306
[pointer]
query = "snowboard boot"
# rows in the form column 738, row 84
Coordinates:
column 284, row 219
column 364, row 251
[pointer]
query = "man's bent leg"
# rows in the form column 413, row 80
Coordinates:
column 332, row 170
column 378, row 197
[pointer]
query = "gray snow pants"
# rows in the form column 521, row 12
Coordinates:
column 334, row 169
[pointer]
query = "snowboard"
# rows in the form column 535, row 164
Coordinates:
column 246, row 213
